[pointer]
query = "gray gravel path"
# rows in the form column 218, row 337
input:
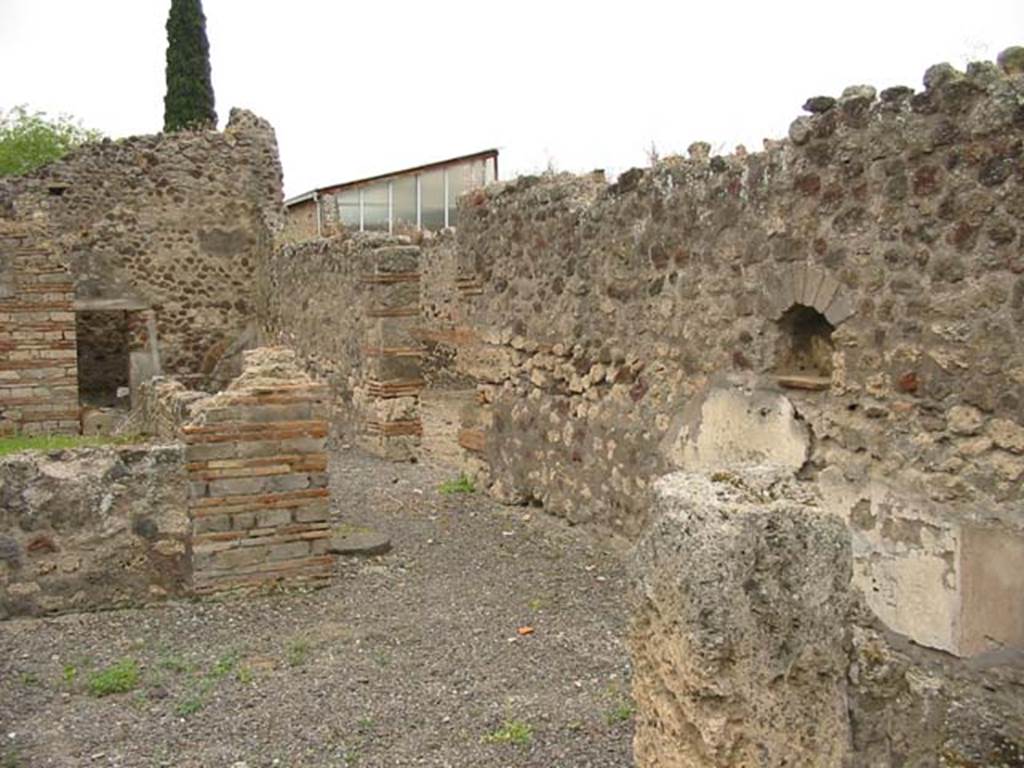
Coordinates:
column 409, row 659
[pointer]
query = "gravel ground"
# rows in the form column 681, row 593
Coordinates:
column 409, row 659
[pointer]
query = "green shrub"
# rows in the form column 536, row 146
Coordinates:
column 119, row 678
column 29, row 140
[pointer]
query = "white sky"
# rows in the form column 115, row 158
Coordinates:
column 360, row 88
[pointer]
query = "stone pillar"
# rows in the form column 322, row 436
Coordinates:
column 392, row 377
column 258, row 490
column 739, row 637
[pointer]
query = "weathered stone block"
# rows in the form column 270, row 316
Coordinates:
column 238, row 486
column 292, row 482
column 271, row 518
column 289, row 551
column 738, row 638
column 304, row 445
column 212, row 523
column 315, row 512
column 239, row 558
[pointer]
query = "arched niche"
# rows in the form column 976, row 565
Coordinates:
column 806, row 303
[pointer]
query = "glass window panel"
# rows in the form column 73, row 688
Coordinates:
column 375, row 208
column 348, row 209
column 432, row 199
column 458, row 182
column 404, row 201
column 477, row 174
column 462, row 178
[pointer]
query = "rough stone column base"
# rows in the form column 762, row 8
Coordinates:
column 739, row 637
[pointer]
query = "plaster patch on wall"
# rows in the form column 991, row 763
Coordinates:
column 736, row 425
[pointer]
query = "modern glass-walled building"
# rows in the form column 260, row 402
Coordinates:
column 423, row 197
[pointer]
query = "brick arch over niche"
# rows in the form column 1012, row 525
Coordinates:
column 810, row 286
column 806, row 303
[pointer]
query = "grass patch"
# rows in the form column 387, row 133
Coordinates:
column 462, row 484
column 297, row 652
column 620, row 713
column 224, row 666
column 191, row 703
column 119, row 678
column 511, row 732
column 30, row 679
column 174, row 664
column 202, row 685
column 16, row 443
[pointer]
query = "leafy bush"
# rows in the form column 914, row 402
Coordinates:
column 29, row 140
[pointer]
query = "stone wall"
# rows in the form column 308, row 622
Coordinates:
column 173, row 223
column 92, row 528
column 869, row 267
column 257, row 475
column 38, row 373
column 350, row 307
column 751, row 645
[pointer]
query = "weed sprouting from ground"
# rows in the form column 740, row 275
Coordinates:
column 191, row 704
column 620, row 713
column 511, row 732
column 203, row 684
column 119, row 678
column 173, row 664
column 621, row 708
column 462, row 484
column 297, row 652
column 224, row 666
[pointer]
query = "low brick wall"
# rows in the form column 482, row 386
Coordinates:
column 38, row 370
column 92, row 528
column 257, row 477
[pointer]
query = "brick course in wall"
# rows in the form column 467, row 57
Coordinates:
column 38, row 373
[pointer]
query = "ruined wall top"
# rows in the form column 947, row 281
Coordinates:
column 953, row 106
column 173, row 223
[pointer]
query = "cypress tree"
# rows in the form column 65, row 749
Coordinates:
column 189, row 100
